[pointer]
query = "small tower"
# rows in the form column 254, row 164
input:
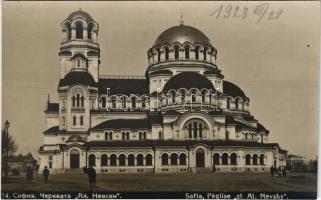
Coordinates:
column 79, row 49
column 80, row 58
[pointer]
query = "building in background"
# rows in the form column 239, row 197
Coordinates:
column 182, row 116
column 21, row 162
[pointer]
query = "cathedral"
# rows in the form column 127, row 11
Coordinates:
column 182, row 116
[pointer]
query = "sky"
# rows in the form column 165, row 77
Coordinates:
column 271, row 52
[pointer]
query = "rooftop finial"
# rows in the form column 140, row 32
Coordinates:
column 48, row 98
column 181, row 22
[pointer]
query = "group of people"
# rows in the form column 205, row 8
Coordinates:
column 281, row 171
column 91, row 172
column 29, row 174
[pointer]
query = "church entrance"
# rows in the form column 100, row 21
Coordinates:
column 200, row 158
column 74, row 159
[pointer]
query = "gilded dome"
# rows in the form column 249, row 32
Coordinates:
column 182, row 34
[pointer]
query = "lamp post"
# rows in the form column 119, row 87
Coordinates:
column 6, row 125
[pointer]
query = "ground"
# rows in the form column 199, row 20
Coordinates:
column 300, row 182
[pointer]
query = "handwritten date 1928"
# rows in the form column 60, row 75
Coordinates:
column 242, row 12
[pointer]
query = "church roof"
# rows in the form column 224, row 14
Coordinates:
column 232, row 90
column 182, row 34
column 52, row 130
column 214, row 72
column 124, row 86
column 188, row 80
column 155, row 118
column 172, row 112
column 77, row 77
column 52, row 107
column 167, row 143
column 123, row 124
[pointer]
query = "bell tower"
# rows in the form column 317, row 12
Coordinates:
column 79, row 50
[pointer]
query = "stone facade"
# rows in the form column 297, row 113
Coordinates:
column 181, row 117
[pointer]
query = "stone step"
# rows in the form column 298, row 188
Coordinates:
column 202, row 170
column 73, row 171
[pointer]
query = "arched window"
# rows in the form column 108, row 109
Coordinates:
column 82, row 99
column 108, row 136
column 122, row 160
column 78, row 100
column 140, row 160
column 103, row 160
column 149, row 160
column 158, row 55
column 182, row 159
column 248, row 159
column 216, row 159
column 193, row 96
column 133, row 100
column 197, row 53
column 203, row 96
column 225, row 159
column 74, row 120
column 261, row 159
column 233, row 159
column 113, row 102
column 165, row 159
column 255, row 157
column 176, row 50
column 103, row 102
column 236, row 104
column 131, row 160
column 123, row 102
column 68, row 27
column 166, row 53
column 186, row 52
column 81, row 120
column 205, row 53
column 200, row 130
column 113, row 160
column 89, row 31
column 228, row 103
column 142, row 135
column 183, row 96
column 143, row 103
column 174, row 159
column 92, row 160
column 173, row 96
column 73, row 101
column 79, row 30
column 195, row 128
column 190, row 130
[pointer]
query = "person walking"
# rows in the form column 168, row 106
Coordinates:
column 45, row 174
column 284, row 171
column 272, row 171
column 91, row 176
column 29, row 173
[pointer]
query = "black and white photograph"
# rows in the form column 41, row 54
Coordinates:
column 160, row 100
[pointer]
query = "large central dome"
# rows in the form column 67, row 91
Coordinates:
column 182, row 34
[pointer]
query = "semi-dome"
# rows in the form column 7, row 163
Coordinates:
column 78, row 77
column 79, row 14
column 188, row 80
column 75, row 138
column 182, row 34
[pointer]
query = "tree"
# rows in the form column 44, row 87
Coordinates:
column 9, row 147
column 12, row 145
